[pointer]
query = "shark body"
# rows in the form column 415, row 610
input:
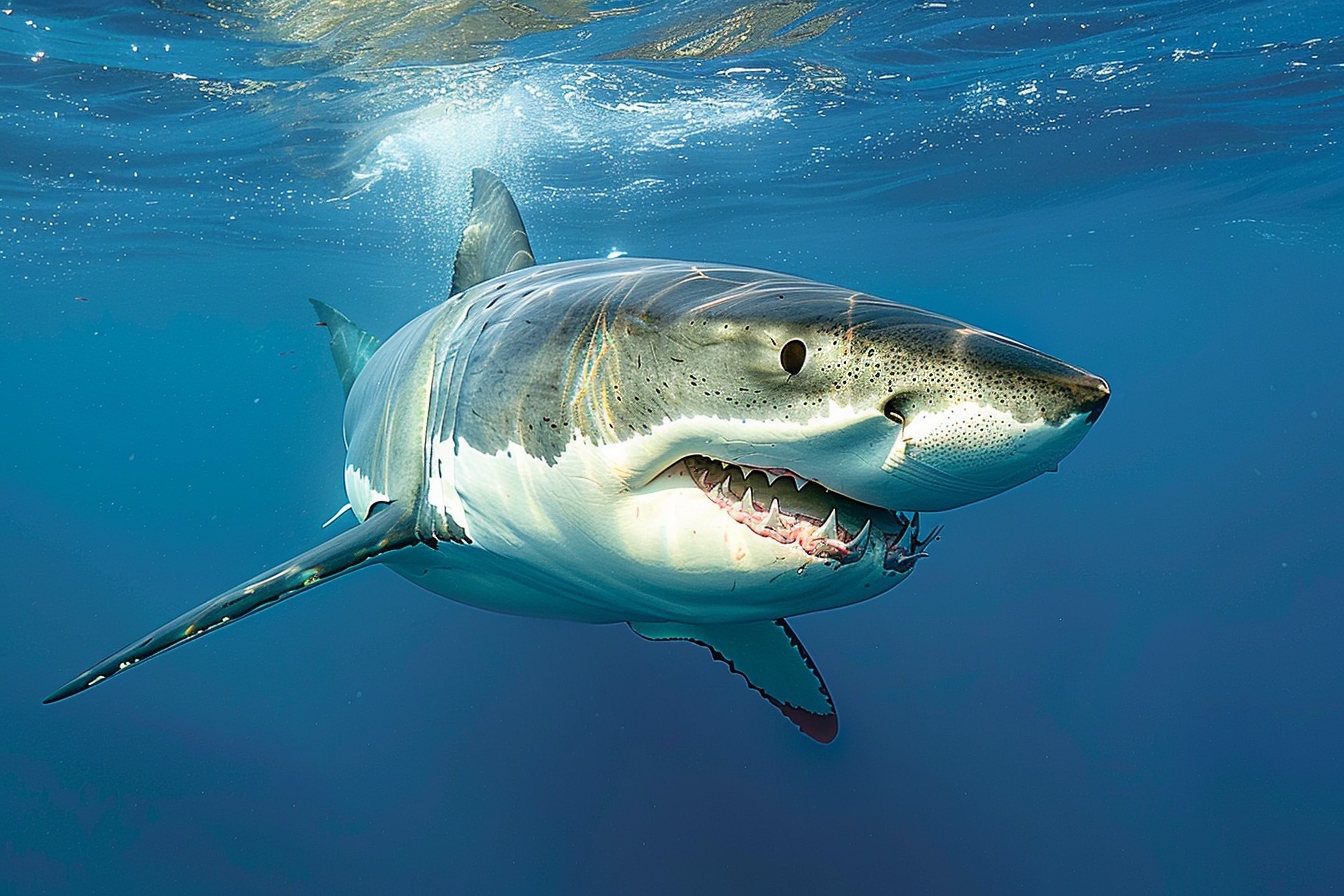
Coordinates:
column 697, row 450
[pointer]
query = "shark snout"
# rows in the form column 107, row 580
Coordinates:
column 1030, row 383
column 1093, row 393
column 994, row 414
column 1077, row 392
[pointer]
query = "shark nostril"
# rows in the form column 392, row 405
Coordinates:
column 894, row 409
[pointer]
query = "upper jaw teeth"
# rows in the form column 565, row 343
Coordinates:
column 771, row 474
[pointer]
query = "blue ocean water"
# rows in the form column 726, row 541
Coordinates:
column 1122, row 678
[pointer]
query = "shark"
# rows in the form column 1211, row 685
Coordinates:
column 699, row 451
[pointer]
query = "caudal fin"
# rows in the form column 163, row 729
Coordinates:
column 385, row 530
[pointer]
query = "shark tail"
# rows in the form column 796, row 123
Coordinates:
column 386, row 529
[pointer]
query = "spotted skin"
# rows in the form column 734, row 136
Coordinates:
column 610, row 358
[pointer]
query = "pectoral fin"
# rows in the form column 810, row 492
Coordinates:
column 351, row 347
column 385, row 530
column 772, row 660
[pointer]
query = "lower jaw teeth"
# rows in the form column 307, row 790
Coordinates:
column 823, row 540
column 902, row 554
column 817, row 539
column 773, row 521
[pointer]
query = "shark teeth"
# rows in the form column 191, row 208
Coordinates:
column 857, row 546
column 821, row 539
column 772, row 519
column 903, row 551
column 827, row 529
column 862, row 536
column 771, row 474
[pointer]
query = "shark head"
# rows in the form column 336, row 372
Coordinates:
column 881, row 403
column 707, row 428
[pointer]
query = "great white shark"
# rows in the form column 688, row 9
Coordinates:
column 697, row 450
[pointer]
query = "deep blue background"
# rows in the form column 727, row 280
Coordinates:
column 1122, row 678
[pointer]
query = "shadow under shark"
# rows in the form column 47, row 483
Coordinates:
column 697, row 450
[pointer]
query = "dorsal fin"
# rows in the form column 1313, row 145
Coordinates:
column 351, row 347
column 494, row 241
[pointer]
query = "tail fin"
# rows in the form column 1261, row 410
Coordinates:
column 385, row 530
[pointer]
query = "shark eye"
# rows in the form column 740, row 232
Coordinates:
column 792, row 356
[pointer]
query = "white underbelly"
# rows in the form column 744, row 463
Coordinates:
column 472, row 576
column 568, row 539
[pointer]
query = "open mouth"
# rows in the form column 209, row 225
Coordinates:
column 790, row 509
